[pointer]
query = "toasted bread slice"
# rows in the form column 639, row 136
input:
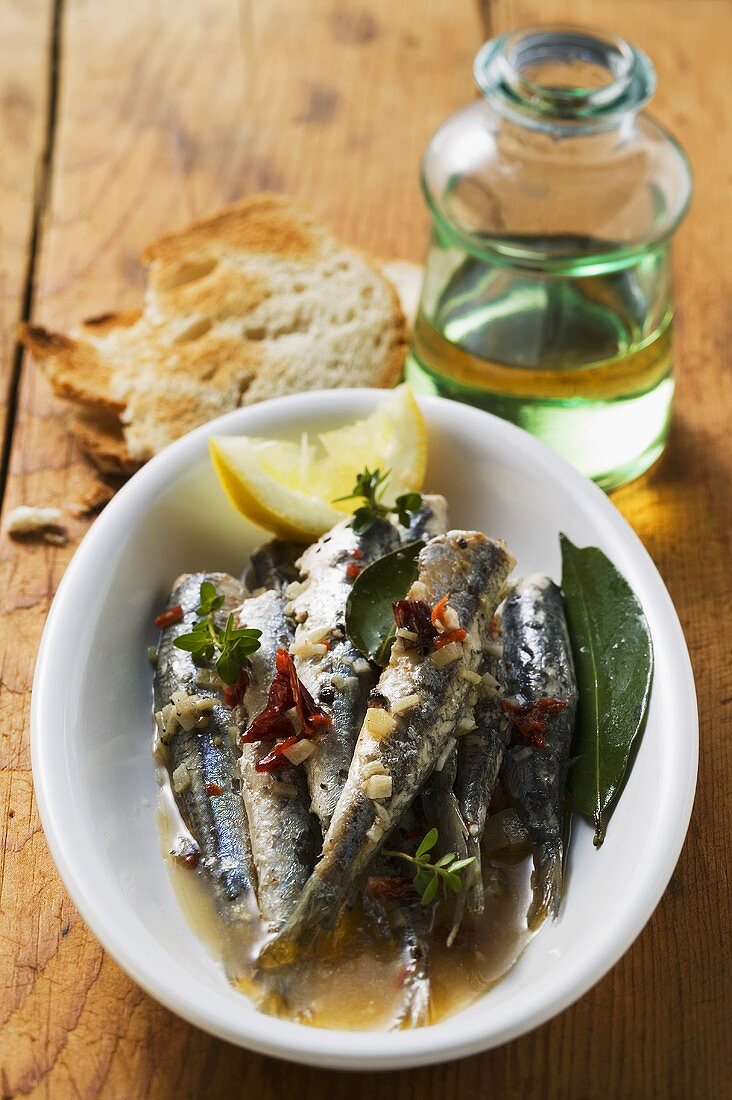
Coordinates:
column 256, row 301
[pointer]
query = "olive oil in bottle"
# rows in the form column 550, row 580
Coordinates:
column 581, row 358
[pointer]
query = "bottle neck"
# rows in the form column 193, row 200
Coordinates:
column 564, row 81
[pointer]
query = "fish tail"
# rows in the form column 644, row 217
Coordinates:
column 476, row 889
column 546, row 882
column 417, row 1012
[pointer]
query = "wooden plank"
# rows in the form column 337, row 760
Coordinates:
column 26, row 33
column 338, row 110
column 165, row 111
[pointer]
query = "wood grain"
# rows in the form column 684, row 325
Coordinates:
column 26, row 87
column 164, row 111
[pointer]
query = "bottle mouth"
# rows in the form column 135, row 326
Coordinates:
column 564, row 78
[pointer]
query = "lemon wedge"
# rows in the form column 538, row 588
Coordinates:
column 290, row 488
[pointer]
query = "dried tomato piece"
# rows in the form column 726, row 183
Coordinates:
column 285, row 692
column 392, row 889
column 527, row 718
column 234, row 693
column 171, row 617
column 213, row 788
column 415, row 615
column 352, row 570
column 458, row 635
column 276, row 759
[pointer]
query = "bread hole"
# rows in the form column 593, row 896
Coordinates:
column 367, row 293
column 179, row 274
column 255, row 332
column 198, row 327
column 350, row 314
column 299, row 288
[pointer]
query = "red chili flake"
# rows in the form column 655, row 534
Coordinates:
column 234, row 693
column 190, row 859
column 438, row 610
column 286, row 691
column 414, row 615
column 458, row 635
column 392, row 889
column 356, row 553
column 276, row 758
column 213, row 788
column 170, row 617
column 352, row 571
column 527, row 720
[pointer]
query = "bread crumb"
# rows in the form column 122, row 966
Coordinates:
column 29, row 522
column 92, row 502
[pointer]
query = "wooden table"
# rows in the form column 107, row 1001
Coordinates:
column 118, row 121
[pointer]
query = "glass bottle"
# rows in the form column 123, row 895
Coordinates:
column 547, row 289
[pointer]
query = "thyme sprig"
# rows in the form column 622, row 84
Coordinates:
column 430, row 879
column 369, row 487
column 229, row 646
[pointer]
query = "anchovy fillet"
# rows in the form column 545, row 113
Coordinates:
column 327, row 662
column 538, row 663
column 281, row 827
column 203, row 760
column 480, row 753
column 469, row 570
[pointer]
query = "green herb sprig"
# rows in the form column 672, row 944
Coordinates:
column 369, row 487
column 430, row 879
column 230, row 646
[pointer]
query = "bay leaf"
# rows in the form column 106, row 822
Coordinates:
column 369, row 613
column 613, row 656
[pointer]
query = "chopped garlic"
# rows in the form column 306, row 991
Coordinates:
column 494, row 649
column 378, row 722
column 181, row 779
column 447, row 655
column 188, row 708
column 374, row 767
column 294, row 588
column 470, row 676
column 489, row 686
column 378, row 786
column 376, row 832
column 317, row 635
column 418, row 591
column 206, row 677
column 360, row 666
column 407, row 635
column 300, row 751
column 307, row 649
column 465, row 725
column 407, row 702
column 449, row 619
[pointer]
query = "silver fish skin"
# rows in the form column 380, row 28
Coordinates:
column 469, row 569
column 430, row 520
column 273, row 565
column 217, row 822
column 479, row 757
column 281, row 827
column 538, row 663
column 339, row 679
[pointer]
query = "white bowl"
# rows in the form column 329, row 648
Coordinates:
column 94, row 774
